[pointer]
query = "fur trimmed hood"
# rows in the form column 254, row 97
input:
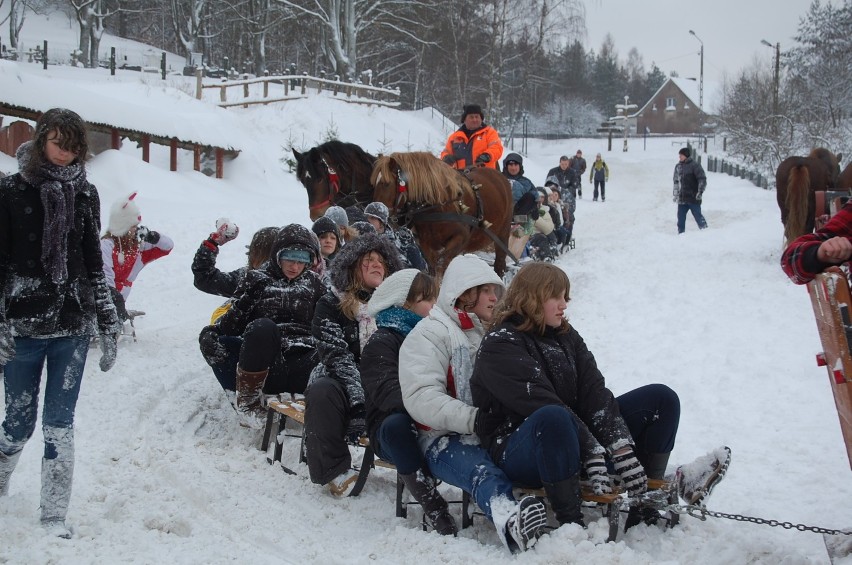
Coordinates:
column 342, row 264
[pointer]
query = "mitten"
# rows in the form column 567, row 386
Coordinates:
column 109, row 350
column 357, row 425
column 450, row 159
column 632, row 473
column 212, row 350
column 7, row 343
column 226, row 231
column 597, row 474
column 484, row 158
column 486, row 423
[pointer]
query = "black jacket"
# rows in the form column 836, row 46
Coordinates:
column 380, row 377
column 339, row 348
column 207, row 278
column 516, row 373
column 31, row 302
column 690, row 181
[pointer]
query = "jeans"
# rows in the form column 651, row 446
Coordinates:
column 543, row 449
column 66, row 358
column 396, row 442
column 226, row 371
column 652, row 414
column 462, row 462
column 602, row 185
column 682, row 209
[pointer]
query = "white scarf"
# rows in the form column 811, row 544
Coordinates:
column 461, row 356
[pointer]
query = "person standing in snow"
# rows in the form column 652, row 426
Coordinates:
column 401, row 301
column 599, row 175
column 341, row 327
column 377, row 214
column 271, row 316
column 689, row 184
column 578, row 164
column 474, row 144
column 435, row 366
column 127, row 247
column 55, row 299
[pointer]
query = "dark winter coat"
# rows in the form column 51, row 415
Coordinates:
column 407, row 245
column 516, row 373
column 568, row 180
column 207, row 278
column 32, row 302
column 690, row 180
column 266, row 293
column 579, row 165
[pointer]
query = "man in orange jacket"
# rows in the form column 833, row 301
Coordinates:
column 475, row 143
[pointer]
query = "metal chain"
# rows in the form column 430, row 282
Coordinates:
column 701, row 513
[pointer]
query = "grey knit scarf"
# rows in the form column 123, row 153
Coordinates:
column 57, row 186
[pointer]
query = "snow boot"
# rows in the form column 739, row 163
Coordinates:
column 7, row 465
column 526, row 524
column 696, row 480
column 565, row 500
column 655, row 468
column 250, row 398
column 57, row 474
column 422, row 487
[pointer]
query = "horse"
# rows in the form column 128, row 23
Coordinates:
column 451, row 212
column 335, row 173
column 845, row 178
column 796, row 180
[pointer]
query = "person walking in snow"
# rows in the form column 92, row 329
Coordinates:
column 55, row 299
column 689, row 184
column 474, row 144
column 127, row 247
column 578, row 165
column 566, row 176
column 271, row 315
column 402, row 300
column 435, row 367
column 599, row 175
column 377, row 214
column 341, row 326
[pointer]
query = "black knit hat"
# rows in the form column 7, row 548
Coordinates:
column 472, row 109
column 685, row 152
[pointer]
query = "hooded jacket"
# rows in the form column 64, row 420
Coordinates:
column 430, row 351
column 467, row 145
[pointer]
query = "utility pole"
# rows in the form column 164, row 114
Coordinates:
column 777, row 82
column 701, row 75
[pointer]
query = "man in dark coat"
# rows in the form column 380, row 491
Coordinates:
column 567, row 178
column 578, row 165
column 689, row 184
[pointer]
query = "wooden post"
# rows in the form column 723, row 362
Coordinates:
column 115, row 139
column 44, row 61
column 146, row 148
column 196, row 157
column 266, row 84
column 163, row 65
column 223, row 97
column 286, row 87
column 173, row 154
column 220, row 162
column 198, row 87
column 245, row 89
column 304, row 82
column 112, row 61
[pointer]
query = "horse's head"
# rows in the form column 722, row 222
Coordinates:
column 316, row 176
column 832, row 162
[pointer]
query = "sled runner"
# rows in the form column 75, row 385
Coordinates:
column 132, row 315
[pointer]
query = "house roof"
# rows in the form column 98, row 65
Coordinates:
column 690, row 89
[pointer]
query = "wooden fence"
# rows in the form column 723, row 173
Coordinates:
column 280, row 88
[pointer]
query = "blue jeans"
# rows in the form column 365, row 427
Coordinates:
column 682, row 209
column 66, row 358
column 396, row 442
column 462, row 462
column 652, row 414
column 226, row 371
column 544, row 449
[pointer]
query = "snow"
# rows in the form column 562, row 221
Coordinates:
column 165, row 474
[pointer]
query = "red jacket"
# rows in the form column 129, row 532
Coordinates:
column 800, row 261
column 467, row 148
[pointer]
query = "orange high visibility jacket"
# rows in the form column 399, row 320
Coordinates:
column 467, row 149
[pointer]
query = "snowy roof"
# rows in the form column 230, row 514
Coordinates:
column 712, row 94
column 166, row 112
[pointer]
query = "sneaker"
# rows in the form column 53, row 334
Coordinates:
column 696, row 480
column 343, row 484
column 527, row 524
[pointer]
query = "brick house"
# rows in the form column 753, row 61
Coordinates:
column 674, row 108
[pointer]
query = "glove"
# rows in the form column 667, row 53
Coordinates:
column 597, row 474
column 146, row 235
column 226, row 231
column 486, row 423
column 7, row 344
column 484, row 158
column 109, row 350
column 212, row 350
column 357, row 426
column 698, row 196
column 450, row 159
column 632, row 474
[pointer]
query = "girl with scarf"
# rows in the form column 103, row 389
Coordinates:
column 398, row 304
column 435, row 366
column 55, row 299
column 341, row 326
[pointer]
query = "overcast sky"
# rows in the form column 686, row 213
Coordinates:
column 730, row 29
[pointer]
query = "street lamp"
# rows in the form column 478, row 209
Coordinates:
column 777, row 48
column 701, row 79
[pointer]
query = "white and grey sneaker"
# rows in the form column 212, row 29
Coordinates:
column 696, row 480
column 527, row 524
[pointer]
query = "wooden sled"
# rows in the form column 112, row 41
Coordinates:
column 832, row 303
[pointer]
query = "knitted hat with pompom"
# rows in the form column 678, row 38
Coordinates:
column 123, row 215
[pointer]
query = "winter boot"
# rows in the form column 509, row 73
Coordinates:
column 56, row 477
column 565, row 500
column 7, row 465
column 250, row 398
column 655, row 468
column 526, row 525
column 696, row 480
column 422, row 485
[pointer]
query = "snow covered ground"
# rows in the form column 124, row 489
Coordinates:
column 165, row 474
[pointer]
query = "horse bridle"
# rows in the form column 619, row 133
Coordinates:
column 334, row 191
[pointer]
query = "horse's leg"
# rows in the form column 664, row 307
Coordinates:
column 798, row 188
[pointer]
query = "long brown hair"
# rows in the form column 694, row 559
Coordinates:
column 358, row 293
column 72, row 136
column 534, row 284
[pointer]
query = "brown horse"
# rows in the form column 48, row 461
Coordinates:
column 796, row 180
column 335, row 174
column 451, row 212
column 845, row 178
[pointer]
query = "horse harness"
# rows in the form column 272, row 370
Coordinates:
column 334, row 189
